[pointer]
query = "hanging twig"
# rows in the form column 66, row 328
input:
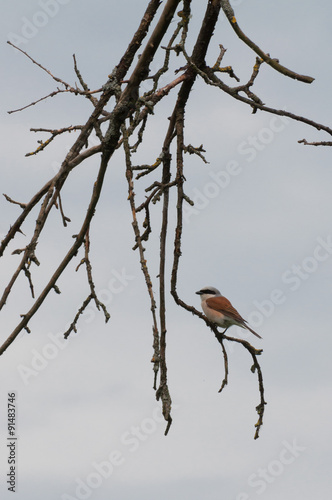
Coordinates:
column 225, row 379
column 139, row 246
column 72, row 326
column 88, row 266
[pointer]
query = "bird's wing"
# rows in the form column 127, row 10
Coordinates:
column 223, row 305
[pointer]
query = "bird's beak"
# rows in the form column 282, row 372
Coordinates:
column 198, row 293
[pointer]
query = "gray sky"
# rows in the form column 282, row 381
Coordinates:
column 260, row 231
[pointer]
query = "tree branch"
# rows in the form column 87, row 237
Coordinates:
column 274, row 63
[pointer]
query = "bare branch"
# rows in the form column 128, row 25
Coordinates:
column 210, row 78
column 126, row 128
column 163, row 391
column 255, row 367
column 274, row 63
column 320, row 143
column 54, row 134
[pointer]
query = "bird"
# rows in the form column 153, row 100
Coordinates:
column 220, row 311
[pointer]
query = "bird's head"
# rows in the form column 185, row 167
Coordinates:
column 207, row 292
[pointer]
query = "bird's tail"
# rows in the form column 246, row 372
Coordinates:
column 252, row 331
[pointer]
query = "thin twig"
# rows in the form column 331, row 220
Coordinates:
column 72, row 326
column 65, row 219
column 225, row 379
column 319, row 143
column 99, row 304
column 86, row 89
column 22, row 205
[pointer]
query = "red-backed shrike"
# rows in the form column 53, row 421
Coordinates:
column 220, row 311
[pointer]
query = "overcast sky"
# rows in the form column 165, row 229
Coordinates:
column 87, row 420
